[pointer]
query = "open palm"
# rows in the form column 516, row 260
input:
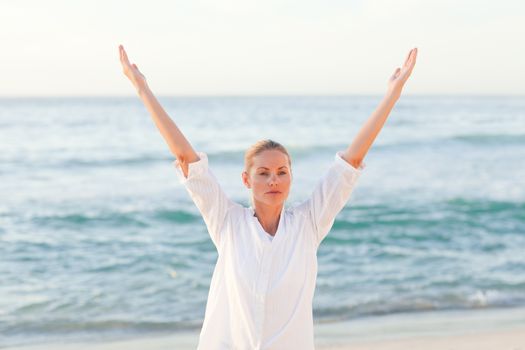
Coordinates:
column 131, row 70
column 401, row 75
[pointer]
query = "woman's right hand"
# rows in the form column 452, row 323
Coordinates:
column 132, row 71
column 401, row 75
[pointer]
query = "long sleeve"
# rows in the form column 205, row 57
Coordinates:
column 207, row 195
column 330, row 196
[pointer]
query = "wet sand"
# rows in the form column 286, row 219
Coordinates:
column 445, row 330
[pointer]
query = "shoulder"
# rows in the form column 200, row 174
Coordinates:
column 238, row 213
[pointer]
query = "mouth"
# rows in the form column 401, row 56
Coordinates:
column 273, row 192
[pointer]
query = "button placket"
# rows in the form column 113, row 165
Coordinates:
column 262, row 280
column 262, row 286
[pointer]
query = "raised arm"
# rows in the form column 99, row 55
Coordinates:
column 355, row 153
column 178, row 144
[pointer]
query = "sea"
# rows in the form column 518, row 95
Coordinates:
column 99, row 239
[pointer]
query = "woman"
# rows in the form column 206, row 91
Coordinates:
column 263, row 284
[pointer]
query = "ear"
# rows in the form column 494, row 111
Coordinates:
column 246, row 179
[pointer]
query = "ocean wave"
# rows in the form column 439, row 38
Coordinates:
column 23, row 332
column 490, row 139
column 138, row 219
column 475, row 300
column 236, row 155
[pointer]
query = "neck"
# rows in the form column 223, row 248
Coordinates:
column 268, row 216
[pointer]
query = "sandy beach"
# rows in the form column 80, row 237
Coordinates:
column 451, row 330
column 493, row 340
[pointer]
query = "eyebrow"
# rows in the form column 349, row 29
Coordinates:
column 261, row 167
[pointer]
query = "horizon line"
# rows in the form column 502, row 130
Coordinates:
column 262, row 95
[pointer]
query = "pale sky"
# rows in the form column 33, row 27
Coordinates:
column 263, row 47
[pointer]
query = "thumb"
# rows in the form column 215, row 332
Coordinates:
column 396, row 73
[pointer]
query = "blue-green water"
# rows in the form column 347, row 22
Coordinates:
column 98, row 238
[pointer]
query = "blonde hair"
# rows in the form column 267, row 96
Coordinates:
column 261, row 146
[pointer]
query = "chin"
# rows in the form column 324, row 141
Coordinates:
column 274, row 202
column 277, row 201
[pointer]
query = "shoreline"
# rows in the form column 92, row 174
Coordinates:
column 463, row 329
column 423, row 330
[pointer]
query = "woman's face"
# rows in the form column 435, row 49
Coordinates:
column 270, row 177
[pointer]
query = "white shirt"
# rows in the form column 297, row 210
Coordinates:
column 262, row 289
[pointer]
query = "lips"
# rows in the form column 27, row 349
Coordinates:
column 273, row 192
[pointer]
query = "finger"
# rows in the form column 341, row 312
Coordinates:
column 414, row 56
column 412, row 61
column 125, row 56
column 411, row 57
column 125, row 59
column 121, row 53
column 408, row 57
column 407, row 60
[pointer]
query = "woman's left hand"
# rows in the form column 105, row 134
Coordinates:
column 132, row 71
column 401, row 75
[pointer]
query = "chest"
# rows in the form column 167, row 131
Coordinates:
column 263, row 265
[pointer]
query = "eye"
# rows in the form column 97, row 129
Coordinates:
column 282, row 173
column 263, row 173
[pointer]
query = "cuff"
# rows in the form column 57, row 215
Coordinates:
column 194, row 169
column 344, row 164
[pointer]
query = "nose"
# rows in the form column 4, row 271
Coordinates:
column 273, row 180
